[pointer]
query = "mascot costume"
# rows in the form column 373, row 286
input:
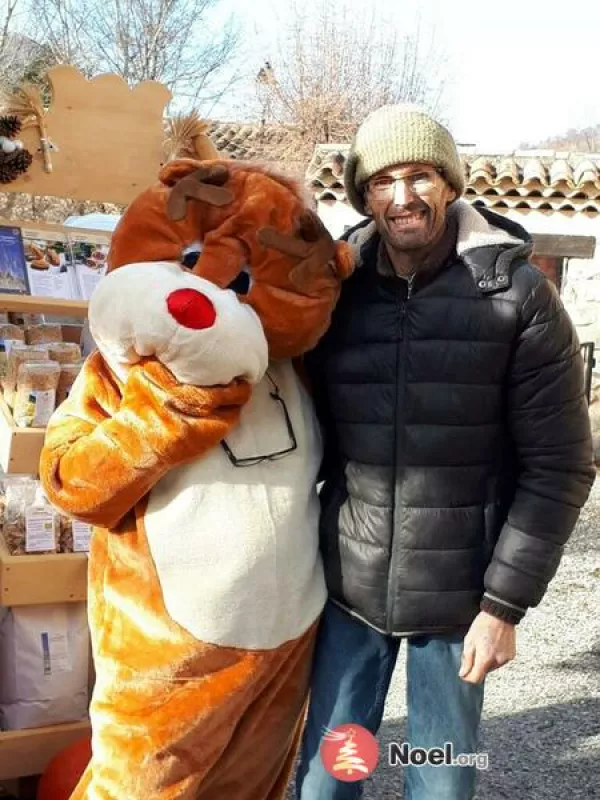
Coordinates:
column 190, row 443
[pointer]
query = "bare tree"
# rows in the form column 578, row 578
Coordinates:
column 332, row 67
column 21, row 58
column 166, row 40
column 585, row 140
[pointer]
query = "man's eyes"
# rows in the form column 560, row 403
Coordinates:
column 418, row 177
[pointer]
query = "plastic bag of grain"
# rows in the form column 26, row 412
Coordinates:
column 65, row 352
column 30, row 523
column 21, row 318
column 65, row 538
column 44, row 333
column 74, row 536
column 9, row 334
column 12, row 332
column 35, row 398
column 17, row 355
column 68, row 374
column 44, row 654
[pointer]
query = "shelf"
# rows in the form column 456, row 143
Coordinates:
column 30, row 751
column 42, row 579
column 20, row 448
column 26, row 304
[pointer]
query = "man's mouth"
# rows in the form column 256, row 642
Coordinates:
column 406, row 220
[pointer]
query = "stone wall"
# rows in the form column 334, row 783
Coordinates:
column 581, row 296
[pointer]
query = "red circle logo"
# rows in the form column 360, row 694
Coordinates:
column 349, row 753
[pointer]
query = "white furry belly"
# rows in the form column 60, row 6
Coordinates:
column 236, row 548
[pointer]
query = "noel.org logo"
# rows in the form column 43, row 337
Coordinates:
column 349, row 753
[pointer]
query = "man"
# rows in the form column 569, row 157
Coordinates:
column 458, row 452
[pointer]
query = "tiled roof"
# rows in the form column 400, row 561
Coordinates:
column 253, row 142
column 541, row 180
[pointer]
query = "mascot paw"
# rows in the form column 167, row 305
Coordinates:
column 201, row 333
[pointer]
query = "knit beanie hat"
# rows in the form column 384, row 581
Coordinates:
column 400, row 134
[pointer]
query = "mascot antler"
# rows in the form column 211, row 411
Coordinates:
column 204, row 184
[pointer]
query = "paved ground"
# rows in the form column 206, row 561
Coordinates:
column 541, row 723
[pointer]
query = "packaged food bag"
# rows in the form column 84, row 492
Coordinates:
column 45, row 332
column 74, row 536
column 18, row 354
column 35, row 398
column 31, row 524
column 44, row 657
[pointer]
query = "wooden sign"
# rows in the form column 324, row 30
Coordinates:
column 106, row 139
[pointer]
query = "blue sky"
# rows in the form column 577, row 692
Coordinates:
column 520, row 70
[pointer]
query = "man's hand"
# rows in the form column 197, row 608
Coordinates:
column 489, row 644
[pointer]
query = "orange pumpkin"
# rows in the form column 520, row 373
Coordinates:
column 62, row 774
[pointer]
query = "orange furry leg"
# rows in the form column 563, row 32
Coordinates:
column 259, row 759
column 81, row 789
column 229, row 730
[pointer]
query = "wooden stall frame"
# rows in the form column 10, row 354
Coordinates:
column 27, row 752
column 24, row 579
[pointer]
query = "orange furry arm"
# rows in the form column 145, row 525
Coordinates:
column 103, row 452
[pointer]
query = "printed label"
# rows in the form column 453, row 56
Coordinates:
column 40, row 534
column 81, row 537
column 55, row 652
column 43, row 403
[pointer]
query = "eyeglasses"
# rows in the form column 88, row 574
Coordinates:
column 417, row 183
column 251, row 461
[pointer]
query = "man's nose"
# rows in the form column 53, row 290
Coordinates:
column 403, row 193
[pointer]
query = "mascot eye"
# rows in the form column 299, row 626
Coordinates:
column 191, row 254
column 190, row 259
column 241, row 283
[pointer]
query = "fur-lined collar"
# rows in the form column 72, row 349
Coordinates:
column 480, row 229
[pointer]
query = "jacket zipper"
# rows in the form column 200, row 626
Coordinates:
column 398, row 438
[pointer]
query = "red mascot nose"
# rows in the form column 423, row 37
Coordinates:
column 191, row 309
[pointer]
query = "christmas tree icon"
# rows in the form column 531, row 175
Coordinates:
column 348, row 759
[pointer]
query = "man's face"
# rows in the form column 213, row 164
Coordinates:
column 408, row 203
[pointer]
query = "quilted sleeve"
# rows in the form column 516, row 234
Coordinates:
column 105, row 449
column 550, row 429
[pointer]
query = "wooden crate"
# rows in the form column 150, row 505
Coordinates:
column 30, row 751
column 35, row 579
column 20, row 448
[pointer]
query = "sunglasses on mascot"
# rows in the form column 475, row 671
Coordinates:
column 251, row 461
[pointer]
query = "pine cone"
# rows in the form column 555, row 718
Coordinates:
column 13, row 164
column 23, row 160
column 10, row 126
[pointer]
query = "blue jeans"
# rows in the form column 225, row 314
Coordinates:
column 352, row 671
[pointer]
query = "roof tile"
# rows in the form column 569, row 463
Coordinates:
column 542, row 180
column 547, row 181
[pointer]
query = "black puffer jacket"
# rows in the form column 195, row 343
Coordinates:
column 458, row 446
